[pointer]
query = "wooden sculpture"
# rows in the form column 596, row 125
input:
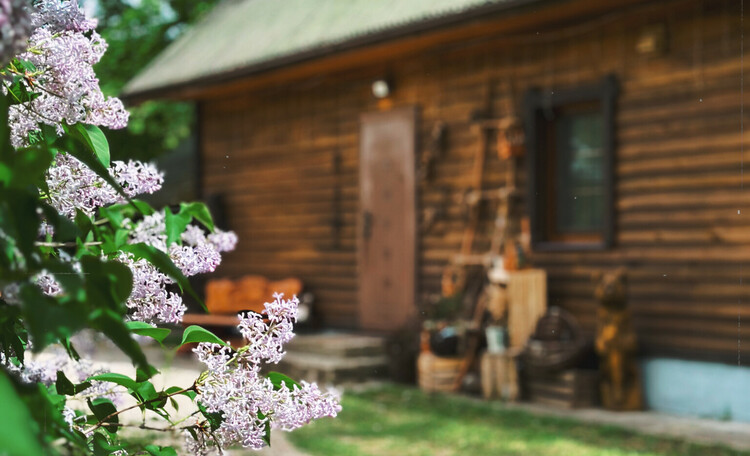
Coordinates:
column 616, row 344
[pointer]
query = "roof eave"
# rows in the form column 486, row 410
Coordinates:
column 410, row 29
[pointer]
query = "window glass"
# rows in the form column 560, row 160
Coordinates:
column 579, row 173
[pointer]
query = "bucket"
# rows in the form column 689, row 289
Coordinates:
column 495, row 339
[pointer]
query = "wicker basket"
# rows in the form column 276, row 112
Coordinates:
column 436, row 373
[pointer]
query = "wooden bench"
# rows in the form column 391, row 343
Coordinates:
column 226, row 298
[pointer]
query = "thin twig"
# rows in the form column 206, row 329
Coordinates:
column 143, row 426
column 160, row 398
column 65, row 244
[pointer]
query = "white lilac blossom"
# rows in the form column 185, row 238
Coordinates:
column 224, row 241
column 43, row 368
column 48, row 284
column 61, row 16
column 72, row 185
column 69, row 415
column 247, row 401
column 150, row 301
column 63, row 48
column 195, row 260
column 15, row 28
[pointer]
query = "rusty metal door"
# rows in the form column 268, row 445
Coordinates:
column 387, row 222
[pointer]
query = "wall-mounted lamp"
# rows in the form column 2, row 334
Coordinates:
column 381, row 89
column 652, row 40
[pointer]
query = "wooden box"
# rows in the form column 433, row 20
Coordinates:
column 436, row 373
column 499, row 375
column 573, row 388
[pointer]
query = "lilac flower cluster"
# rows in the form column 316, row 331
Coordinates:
column 63, row 48
column 43, row 368
column 150, row 301
column 61, row 16
column 247, row 400
column 48, row 284
column 15, row 28
column 72, row 185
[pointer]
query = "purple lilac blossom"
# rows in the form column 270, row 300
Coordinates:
column 65, row 83
column 73, row 186
column 15, row 28
column 235, row 387
column 149, row 301
column 62, row 16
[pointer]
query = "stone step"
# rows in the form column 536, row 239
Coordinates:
column 337, row 344
column 335, row 370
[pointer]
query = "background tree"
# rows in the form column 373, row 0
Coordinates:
column 136, row 32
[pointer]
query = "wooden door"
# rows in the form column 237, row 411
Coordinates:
column 387, row 222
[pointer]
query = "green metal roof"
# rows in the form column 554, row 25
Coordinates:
column 245, row 34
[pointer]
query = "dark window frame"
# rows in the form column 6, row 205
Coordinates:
column 538, row 108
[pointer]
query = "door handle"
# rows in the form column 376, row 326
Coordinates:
column 366, row 224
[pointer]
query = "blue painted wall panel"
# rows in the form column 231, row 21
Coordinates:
column 709, row 390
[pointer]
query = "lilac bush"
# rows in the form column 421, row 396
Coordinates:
column 80, row 255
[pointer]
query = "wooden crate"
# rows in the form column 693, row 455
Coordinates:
column 436, row 373
column 573, row 388
column 499, row 375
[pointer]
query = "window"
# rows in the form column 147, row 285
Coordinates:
column 570, row 153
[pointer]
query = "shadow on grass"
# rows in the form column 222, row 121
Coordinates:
column 398, row 420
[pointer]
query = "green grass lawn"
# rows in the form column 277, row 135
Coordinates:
column 403, row 421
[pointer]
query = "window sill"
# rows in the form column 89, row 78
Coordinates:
column 553, row 246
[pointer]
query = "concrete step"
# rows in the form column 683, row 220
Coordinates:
column 336, row 370
column 337, row 344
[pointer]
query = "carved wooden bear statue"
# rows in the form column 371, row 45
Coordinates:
column 616, row 344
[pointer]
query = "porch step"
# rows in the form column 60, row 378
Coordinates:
column 337, row 344
column 325, row 370
column 334, row 358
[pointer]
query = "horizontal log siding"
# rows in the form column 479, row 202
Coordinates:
column 287, row 162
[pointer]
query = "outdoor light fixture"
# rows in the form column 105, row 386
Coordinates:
column 381, row 88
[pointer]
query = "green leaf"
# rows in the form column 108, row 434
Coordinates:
column 65, row 230
column 174, row 389
column 66, row 387
column 18, row 436
column 63, row 385
column 164, row 264
column 176, row 224
column 102, row 408
column 111, row 324
column 122, row 380
column 154, row 450
column 18, row 92
column 195, row 333
column 102, row 446
column 116, row 213
column 214, row 418
column 93, row 137
column 23, row 65
column 84, row 223
column 88, row 159
column 200, row 212
column 144, row 329
column 267, row 433
column 27, row 167
column 277, row 378
column 142, row 375
column 107, row 282
column 70, row 280
column 48, row 320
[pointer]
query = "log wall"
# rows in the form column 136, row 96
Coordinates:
column 286, row 161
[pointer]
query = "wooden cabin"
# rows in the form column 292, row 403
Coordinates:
column 633, row 118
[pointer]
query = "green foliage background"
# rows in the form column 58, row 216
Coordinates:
column 136, row 32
